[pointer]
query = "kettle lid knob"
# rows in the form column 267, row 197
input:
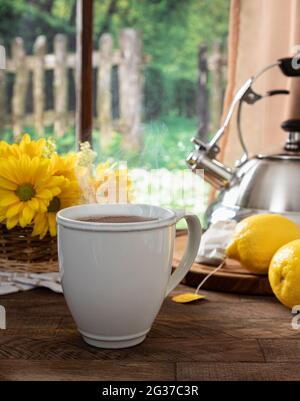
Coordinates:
column 293, row 128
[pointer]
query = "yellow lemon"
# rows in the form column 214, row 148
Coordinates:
column 258, row 237
column 284, row 274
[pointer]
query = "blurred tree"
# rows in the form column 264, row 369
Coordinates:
column 171, row 29
column 30, row 18
column 154, row 93
column 44, row 5
column 184, row 97
column 171, row 32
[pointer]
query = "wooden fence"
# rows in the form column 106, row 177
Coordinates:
column 213, row 68
column 32, row 68
column 29, row 72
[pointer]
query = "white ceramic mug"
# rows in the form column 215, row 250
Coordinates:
column 115, row 276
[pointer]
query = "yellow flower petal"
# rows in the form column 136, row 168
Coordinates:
column 13, row 210
column 44, row 194
column 52, row 224
column 33, row 204
column 31, row 148
column 44, row 233
column 40, row 225
column 22, row 221
column 12, row 222
column 4, row 193
column 2, row 215
column 6, row 184
column 55, row 191
column 28, row 214
column 9, row 199
column 12, row 170
column 44, row 206
column 26, row 139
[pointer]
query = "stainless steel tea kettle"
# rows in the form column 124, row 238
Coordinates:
column 263, row 183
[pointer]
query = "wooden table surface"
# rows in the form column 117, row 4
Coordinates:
column 226, row 337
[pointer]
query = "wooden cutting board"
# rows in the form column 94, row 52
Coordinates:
column 231, row 278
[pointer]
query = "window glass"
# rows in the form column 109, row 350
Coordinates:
column 38, row 86
column 160, row 77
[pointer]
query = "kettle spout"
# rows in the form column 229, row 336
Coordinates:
column 215, row 173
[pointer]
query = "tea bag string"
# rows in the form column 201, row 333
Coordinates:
column 208, row 276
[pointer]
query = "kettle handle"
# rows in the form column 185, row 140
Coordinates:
column 290, row 66
column 251, row 97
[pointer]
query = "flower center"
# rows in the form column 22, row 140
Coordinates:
column 54, row 205
column 25, row 192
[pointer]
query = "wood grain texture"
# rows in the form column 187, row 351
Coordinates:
column 20, row 85
column 93, row 371
column 38, row 81
column 130, row 89
column 225, row 337
column 60, row 84
column 238, row 371
column 281, row 350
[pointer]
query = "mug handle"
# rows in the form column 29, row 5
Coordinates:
column 194, row 236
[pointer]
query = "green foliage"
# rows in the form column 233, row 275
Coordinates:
column 171, row 32
column 171, row 29
column 184, row 97
column 166, row 143
column 64, row 144
column 163, row 94
column 154, row 93
column 31, row 18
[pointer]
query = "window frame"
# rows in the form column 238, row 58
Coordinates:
column 84, row 70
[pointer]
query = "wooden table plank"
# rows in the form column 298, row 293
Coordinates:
column 281, row 350
column 92, row 371
column 151, row 350
column 224, row 337
column 238, row 371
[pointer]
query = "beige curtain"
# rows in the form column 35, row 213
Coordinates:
column 261, row 31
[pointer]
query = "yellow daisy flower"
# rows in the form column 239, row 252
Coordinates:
column 26, row 146
column 64, row 165
column 7, row 150
column 26, row 188
column 68, row 196
column 31, row 148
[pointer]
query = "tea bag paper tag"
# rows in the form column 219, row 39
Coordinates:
column 187, row 297
column 190, row 296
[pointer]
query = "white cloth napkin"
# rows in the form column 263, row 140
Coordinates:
column 15, row 282
column 214, row 242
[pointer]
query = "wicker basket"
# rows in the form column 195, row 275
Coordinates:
column 20, row 252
